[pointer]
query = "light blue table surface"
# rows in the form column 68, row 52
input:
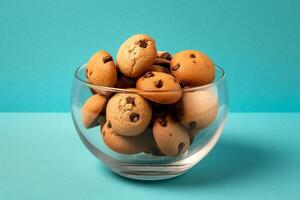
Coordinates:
column 257, row 157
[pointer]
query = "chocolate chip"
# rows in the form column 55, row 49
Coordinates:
column 107, row 59
column 142, row 43
column 90, row 73
column 159, row 83
column 192, row 56
column 192, row 125
column 194, row 61
column 163, row 121
column 180, row 147
column 170, row 134
column 174, row 68
column 166, row 56
column 148, row 75
column 130, row 100
column 109, row 125
column 134, row 117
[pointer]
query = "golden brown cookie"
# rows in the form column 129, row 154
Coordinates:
column 91, row 109
column 101, row 70
column 136, row 55
column 171, row 137
column 192, row 68
column 126, row 144
column 129, row 114
column 197, row 110
column 167, row 87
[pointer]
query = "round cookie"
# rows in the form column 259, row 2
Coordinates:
column 126, row 144
column 197, row 110
column 129, row 114
column 136, row 55
column 91, row 110
column 192, row 68
column 101, row 70
column 171, row 137
column 159, row 81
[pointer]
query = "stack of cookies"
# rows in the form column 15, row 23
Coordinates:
column 156, row 114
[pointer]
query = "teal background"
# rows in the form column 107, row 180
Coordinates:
column 257, row 42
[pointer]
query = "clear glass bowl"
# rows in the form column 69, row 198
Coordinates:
column 146, row 166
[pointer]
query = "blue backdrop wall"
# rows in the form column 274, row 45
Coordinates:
column 257, row 42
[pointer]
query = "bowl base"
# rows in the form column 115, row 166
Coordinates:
column 150, row 173
column 152, row 176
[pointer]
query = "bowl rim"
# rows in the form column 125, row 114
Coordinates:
column 220, row 80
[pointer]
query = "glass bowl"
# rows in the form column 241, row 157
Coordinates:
column 145, row 166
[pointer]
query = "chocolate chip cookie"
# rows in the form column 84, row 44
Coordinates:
column 197, row 110
column 126, row 144
column 171, row 137
column 192, row 68
column 167, row 87
column 101, row 70
column 136, row 55
column 128, row 114
column 91, row 109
